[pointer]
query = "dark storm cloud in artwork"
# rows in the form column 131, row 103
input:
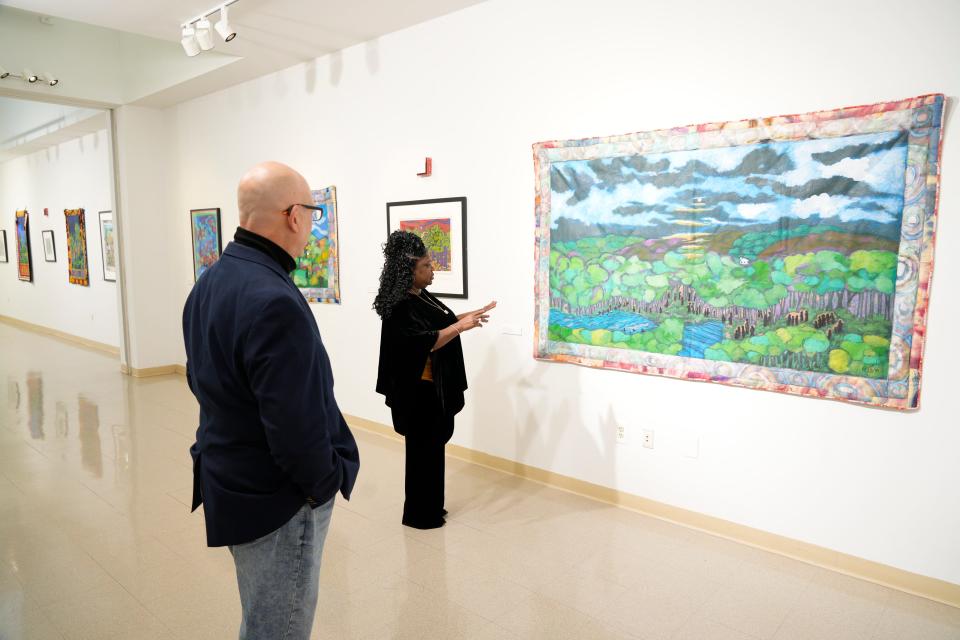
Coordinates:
column 834, row 186
column 763, row 160
column 571, row 179
column 633, row 208
column 856, row 151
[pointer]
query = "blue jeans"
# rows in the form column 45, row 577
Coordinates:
column 279, row 577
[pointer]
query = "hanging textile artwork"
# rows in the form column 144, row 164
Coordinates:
column 24, row 257
column 79, row 271
column 791, row 254
column 207, row 244
column 318, row 270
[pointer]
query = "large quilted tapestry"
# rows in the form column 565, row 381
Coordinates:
column 791, row 254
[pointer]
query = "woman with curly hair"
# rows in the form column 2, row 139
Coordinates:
column 421, row 371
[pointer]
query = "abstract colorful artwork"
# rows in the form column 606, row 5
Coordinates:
column 791, row 254
column 436, row 236
column 24, row 257
column 108, row 246
column 442, row 224
column 77, row 264
column 318, row 270
column 205, row 231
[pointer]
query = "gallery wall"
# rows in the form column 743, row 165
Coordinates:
column 70, row 175
column 474, row 90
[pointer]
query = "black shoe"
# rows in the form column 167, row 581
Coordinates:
column 417, row 524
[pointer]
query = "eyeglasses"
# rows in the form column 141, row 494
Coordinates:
column 317, row 211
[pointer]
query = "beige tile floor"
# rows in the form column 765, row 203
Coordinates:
column 97, row 542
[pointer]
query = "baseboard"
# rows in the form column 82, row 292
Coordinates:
column 150, row 372
column 915, row 584
column 93, row 345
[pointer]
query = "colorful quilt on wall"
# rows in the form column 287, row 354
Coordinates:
column 24, row 258
column 318, row 270
column 205, row 234
column 791, row 254
column 77, row 264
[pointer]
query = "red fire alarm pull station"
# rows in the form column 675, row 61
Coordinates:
column 428, row 169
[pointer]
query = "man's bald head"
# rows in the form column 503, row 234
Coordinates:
column 265, row 191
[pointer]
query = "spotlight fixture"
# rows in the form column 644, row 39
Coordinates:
column 197, row 34
column 189, row 42
column 30, row 77
column 223, row 27
column 204, row 34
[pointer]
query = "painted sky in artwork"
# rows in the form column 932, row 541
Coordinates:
column 847, row 180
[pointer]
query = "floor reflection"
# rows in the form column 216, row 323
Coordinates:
column 91, row 453
column 35, row 401
column 63, row 420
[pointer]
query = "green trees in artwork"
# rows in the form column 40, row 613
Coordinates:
column 759, row 300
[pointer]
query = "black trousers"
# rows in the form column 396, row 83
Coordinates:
column 426, row 430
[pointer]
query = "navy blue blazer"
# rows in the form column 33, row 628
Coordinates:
column 271, row 437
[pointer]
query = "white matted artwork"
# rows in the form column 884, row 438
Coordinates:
column 3, row 246
column 49, row 247
column 442, row 224
column 108, row 246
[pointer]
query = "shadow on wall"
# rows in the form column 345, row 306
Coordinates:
column 529, row 410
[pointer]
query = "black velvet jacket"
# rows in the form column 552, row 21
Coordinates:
column 406, row 339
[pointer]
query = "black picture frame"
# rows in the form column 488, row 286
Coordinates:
column 53, row 246
column 394, row 212
column 3, row 246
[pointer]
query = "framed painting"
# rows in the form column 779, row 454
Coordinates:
column 77, row 263
column 108, row 246
column 442, row 224
column 791, row 254
column 49, row 248
column 205, row 231
column 3, row 246
column 318, row 270
column 24, row 257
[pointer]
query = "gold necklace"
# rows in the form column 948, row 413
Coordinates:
column 431, row 303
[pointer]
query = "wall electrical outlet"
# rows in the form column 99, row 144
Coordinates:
column 621, row 434
column 648, row 438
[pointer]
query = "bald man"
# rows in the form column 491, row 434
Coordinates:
column 272, row 448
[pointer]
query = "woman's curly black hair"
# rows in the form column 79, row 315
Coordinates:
column 401, row 252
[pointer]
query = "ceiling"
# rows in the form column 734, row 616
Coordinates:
column 272, row 35
column 27, row 126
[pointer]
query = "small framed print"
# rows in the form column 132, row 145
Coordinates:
column 3, row 246
column 49, row 247
column 442, row 225
column 108, row 246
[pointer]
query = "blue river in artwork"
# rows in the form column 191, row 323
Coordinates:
column 696, row 337
column 624, row 321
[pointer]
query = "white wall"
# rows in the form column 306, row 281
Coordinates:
column 148, row 226
column 71, row 175
column 474, row 90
